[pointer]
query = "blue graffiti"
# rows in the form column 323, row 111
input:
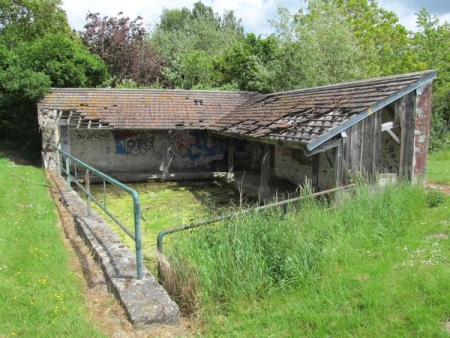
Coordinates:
column 204, row 146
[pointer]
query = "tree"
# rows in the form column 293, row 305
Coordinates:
column 29, row 70
column 185, row 35
column 248, row 64
column 27, row 20
column 384, row 40
column 37, row 51
column 431, row 44
column 120, row 43
column 319, row 47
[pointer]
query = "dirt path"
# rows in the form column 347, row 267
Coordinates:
column 445, row 188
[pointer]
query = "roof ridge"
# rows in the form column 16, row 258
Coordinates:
column 357, row 82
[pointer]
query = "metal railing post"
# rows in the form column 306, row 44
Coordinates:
column 138, row 235
column 68, row 173
column 87, row 183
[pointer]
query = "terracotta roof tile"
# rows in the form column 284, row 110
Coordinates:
column 144, row 108
column 297, row 116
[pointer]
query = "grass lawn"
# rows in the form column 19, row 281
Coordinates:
column 377, row 266
column 438, row 167
column 39, row 295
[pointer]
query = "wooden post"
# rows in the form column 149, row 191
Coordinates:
column 407, row 135
column 338, row 165
column 165, row 167
column 315, row 172
column 230, row 174
column 264, row 190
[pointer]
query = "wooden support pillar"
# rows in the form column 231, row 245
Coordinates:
column 165, row 165
column 230, row 174
column 407, row 135
column 264, row 190
column 315, row 172
column 337, row 166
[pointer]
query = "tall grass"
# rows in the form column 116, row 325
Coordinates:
column 39, row 295
column 254, row 257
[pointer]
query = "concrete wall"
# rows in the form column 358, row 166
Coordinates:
column 137, row 150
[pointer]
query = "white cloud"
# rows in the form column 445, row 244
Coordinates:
column 407, row 10
column 254, row 13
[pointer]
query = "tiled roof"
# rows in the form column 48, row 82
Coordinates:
column 143, row 108
column 304, row 115
column 307, row 116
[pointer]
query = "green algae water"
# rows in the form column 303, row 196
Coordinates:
column 163, row 205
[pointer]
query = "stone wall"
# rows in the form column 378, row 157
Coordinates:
column 292, row 165
column 390, row 152
column 137, row 150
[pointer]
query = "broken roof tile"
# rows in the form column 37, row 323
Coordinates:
column 297, row 115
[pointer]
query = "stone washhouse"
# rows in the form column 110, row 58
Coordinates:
column 326, row 135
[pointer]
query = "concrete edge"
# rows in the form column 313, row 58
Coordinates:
column 145, row 301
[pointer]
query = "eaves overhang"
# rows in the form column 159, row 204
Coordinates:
column 374, row 108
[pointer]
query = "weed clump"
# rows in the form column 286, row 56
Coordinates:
column 435, row 198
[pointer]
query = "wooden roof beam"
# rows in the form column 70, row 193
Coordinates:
column 78, row 123
column 324, row 147
column 68, row 119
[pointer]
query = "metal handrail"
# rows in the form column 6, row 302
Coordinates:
column 137, row 235
column 284, row 203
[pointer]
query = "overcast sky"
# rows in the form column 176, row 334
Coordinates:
column 254, row 13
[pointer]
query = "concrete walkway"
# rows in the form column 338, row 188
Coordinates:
column 145, row 301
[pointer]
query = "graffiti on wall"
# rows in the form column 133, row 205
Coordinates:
column 201, row 145
column 194, row 146
column 98, row 135
column 180, row 143
column 132, row 142
column 94, row 135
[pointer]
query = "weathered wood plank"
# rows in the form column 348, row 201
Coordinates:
column 389, row 125
column 395, row 137
column 367, row 139
column 324, row 147
column 407, row 135
column 355, row 149
column 338, row 164
column 265, row 166
column 315, row 171
column 377, row 141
